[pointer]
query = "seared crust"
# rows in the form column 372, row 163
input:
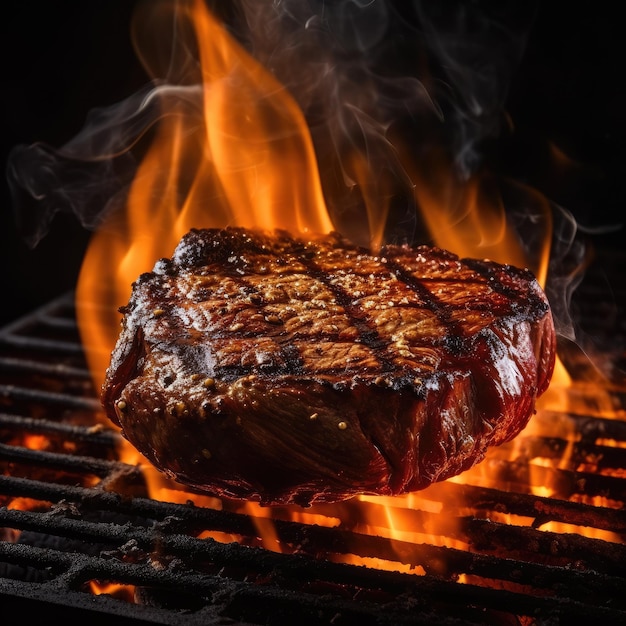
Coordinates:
column 261, row 366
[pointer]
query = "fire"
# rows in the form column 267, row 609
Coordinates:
column 36, row 442
column 115, row 590
column 471, row 221
column 248, row 159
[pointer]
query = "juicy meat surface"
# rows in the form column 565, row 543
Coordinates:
column 265, row 367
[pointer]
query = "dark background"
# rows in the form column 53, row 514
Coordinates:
column 61, row 59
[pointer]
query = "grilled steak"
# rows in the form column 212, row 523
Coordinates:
column 266, row 367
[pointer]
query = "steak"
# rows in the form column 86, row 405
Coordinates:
column 262, row 366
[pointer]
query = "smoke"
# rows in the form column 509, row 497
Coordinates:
column 90, row 174
column 379, row 77
column 85, row 176
column 372, row 78
column 359, row 67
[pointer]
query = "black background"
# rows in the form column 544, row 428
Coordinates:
column 61, row 59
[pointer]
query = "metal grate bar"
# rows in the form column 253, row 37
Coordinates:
column 273, row 569
column 49, row 397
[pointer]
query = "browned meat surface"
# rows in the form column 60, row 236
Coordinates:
column 260, row 366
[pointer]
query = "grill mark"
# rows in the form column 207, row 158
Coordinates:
column 488, row 274
column 536, row 305
column 441, row 310
column 293, row 363
column 368, row 335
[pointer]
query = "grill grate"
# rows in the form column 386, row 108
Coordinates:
column 71, row 513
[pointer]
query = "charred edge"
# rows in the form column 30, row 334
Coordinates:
column 489, row 273
column 129, row 368
column 213, row 245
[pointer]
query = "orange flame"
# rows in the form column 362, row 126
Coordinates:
column 116, row 590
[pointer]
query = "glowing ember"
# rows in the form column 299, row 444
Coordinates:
column 120, row 592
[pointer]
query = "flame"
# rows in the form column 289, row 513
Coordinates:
column 115, row 590
column 468, row 217
column 249, row 161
